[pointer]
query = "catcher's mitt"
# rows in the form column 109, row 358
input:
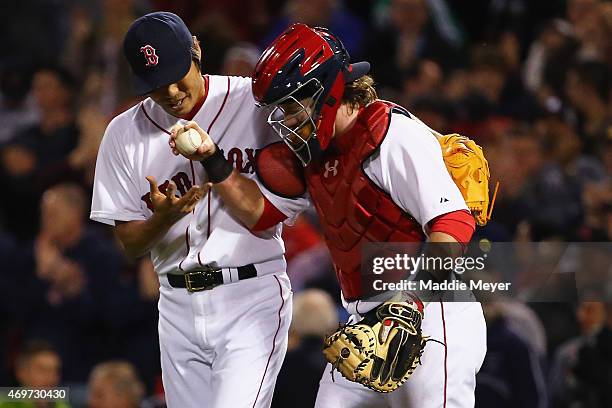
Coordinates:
column 381, row 351
column 469, row 169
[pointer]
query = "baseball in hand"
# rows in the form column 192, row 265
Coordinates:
column 187, row 141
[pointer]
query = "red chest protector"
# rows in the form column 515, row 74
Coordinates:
column 352, row 209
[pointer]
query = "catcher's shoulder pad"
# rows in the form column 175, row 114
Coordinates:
column 280, row 171
column 469, row 169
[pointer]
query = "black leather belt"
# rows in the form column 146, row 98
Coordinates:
column 207, row 278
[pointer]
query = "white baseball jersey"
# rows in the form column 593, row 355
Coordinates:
column 135, row 145
column 234, row 335
column 409, row 166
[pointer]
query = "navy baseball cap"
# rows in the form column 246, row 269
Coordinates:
column 158, row 48
column 356, row 71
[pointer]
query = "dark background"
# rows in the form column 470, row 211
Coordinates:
column 528, row 80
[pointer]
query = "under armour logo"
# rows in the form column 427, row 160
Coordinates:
column 329, row 168
column 150, row 55
column 443, row 200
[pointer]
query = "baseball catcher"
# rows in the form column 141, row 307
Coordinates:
column 383, row 349
column 375, row 173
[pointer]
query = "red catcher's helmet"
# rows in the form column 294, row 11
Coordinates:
column 304, row 63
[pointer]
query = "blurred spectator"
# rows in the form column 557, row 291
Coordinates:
column 580, row 10
column 433, row 111
column 568, row 173
column 514, row 161
column 16, row 109
column 592, row 28
column 511, row 374
column 38, row 366
column 80, row 47
column 115, row 384
column 83, row 296
column 408, row 37
column 445, row 22
column 217, row 35
column 594, row 366
column 67, row 278
column 543, row 175
column 240, row 60
column 565, row 388
column 314, row 316
column 248, row 19
column 41, row 41
column 82, row 160
column 523, row 321
column 106, row 77
column 542, row 71
column 597, row 200
column 35, row 157
column 487, row 20
column 588, row 90
column 494, row 87
column 565, row 147
column 421, row 79
column 331, row 14
column 506, row 16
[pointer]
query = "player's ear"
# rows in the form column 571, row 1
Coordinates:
column 196, row 52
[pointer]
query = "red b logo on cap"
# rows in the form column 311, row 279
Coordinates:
column 150, row 55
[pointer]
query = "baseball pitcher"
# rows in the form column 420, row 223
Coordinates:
column 225, row 299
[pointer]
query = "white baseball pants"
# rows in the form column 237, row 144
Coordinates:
column 224, row 347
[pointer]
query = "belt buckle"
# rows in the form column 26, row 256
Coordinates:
column 207, row 272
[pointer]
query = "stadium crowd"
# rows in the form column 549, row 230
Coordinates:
column 529, row 81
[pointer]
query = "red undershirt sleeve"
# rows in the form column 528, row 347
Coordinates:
column 270, row 217
column 458, row 224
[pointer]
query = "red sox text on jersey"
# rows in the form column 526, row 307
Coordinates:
column 242, row 161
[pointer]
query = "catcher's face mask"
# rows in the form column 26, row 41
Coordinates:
column 294, row 119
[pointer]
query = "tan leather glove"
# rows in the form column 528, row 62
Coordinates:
column 469, row 169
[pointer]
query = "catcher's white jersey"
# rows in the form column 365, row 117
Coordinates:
column 409, row 166
column 232, row 334
column 135, row 145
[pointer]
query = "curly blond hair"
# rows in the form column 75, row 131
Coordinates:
column 360, row 92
